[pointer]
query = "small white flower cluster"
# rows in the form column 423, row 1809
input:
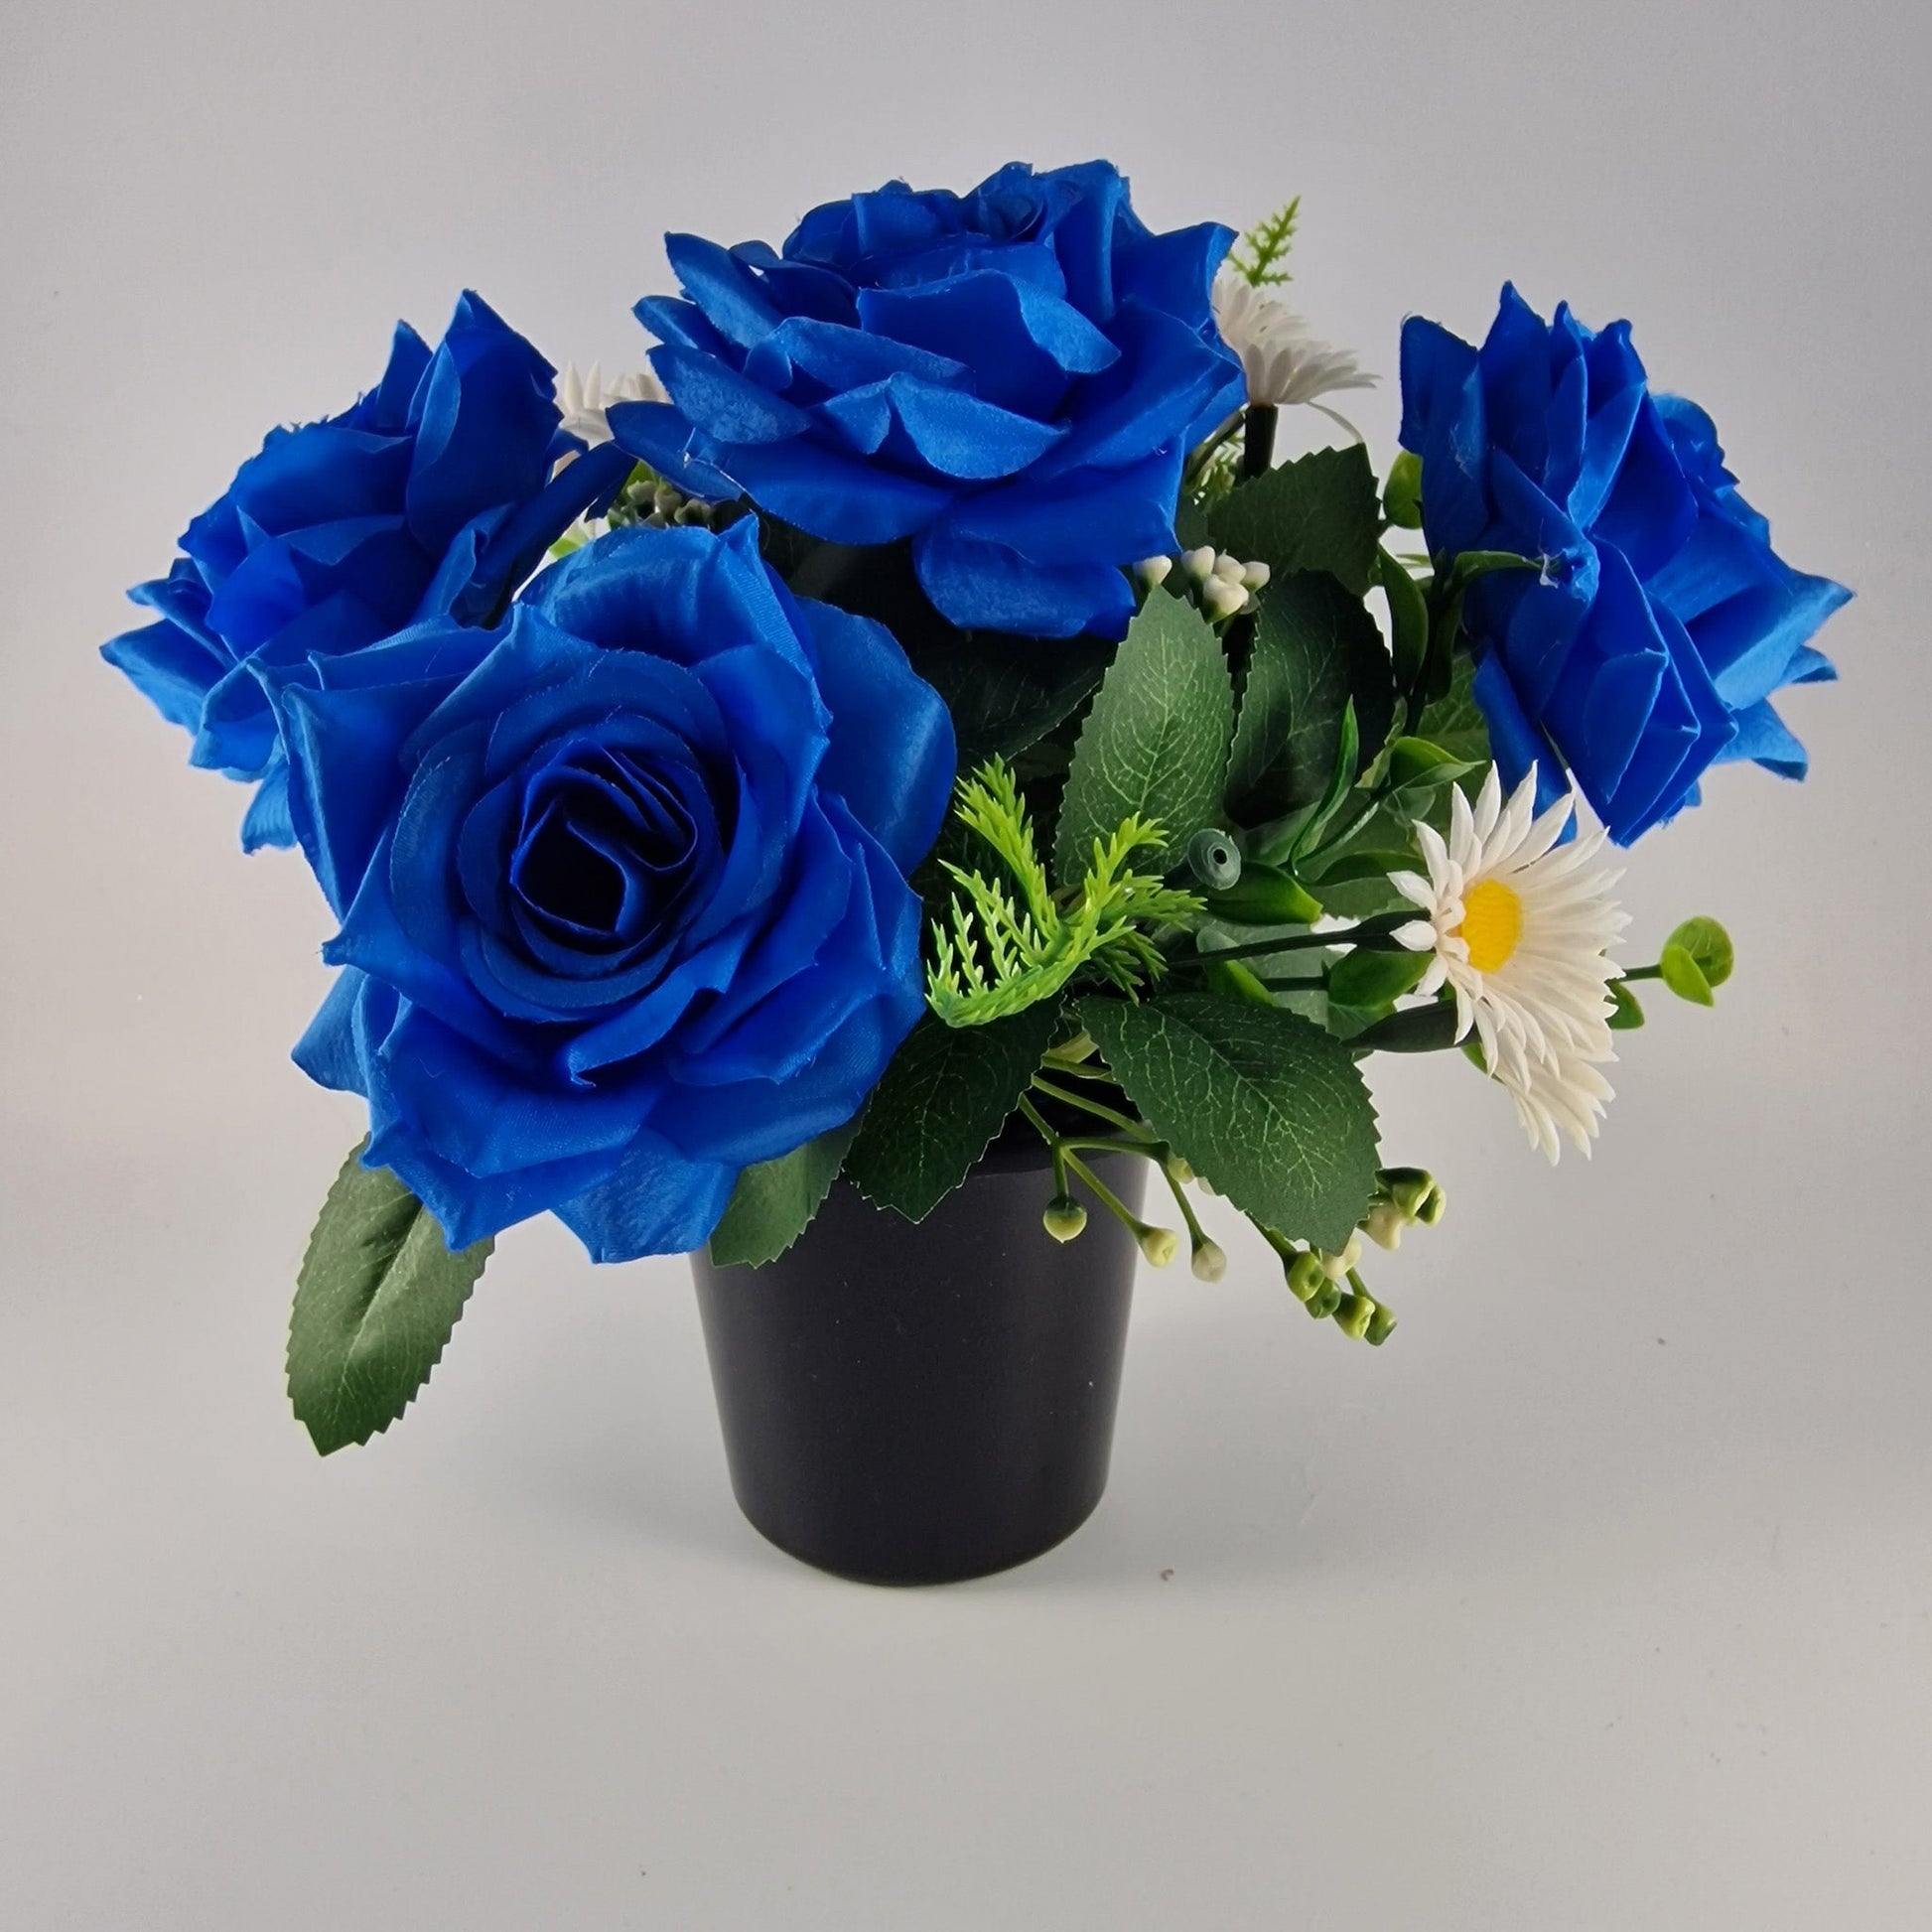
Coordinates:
column 1218, row 581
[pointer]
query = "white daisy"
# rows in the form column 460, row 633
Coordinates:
column 584, row 399
column 1282, row 359
column 1520, row 929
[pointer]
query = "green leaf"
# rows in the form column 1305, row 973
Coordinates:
column 1005, row 694
column 945, row 1095
column 1455, row 721
column 1319, row 513
column 775, row 1201
column 1359, row 865
column 375, row 1300
column 1408, row 619
column 1678, row 968
column 1156, row 742
column 1341, row 777
column 1709, row 946
column 1629, row 1012
column 1316, row 648
column 1414, row 1030
column 1265, row 1105
column 1370, row 981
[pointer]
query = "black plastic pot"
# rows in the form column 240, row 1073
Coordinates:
column 919, row 1403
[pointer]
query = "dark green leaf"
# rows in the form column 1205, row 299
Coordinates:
column 1708, row 944
column 1341, row 777
column 1455, row 721
column 1316, row 648
column 1007, row 693
column 1265, row 1105
column 1319, row 513
column 1414, row 1030
column 1358, row 864
column 1408, row 619
column 1629, row 1013
column 947, row 1092
column 1155, row 742
column 775, row 1201
column 374, row 1303
column 1402, row 493
column 1680, row 971
column 1369, row 981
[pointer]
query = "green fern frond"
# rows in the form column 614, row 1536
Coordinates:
column 1258, row 256
column 996, row 954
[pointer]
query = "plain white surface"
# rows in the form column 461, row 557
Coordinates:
column 1600, row 1599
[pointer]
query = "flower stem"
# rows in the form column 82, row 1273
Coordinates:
column 1258, row 440
column 1113, row 1117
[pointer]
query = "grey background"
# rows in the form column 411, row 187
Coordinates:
column 1597, row 1600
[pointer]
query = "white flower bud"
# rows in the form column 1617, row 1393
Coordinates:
column 1336, row 1267
column 1230, row 565
column 1198, row 564
column 1210, row 1261
column 1159, row 1245
column 1220, row 598
column 1385, row 1223
column 1152, row 571
column 1255, row 575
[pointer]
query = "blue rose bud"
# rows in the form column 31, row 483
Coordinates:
column 433, row 493
column 1649, row 643
column 1010, row 379
column 621, row 884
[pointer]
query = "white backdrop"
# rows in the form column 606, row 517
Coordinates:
column 1599, row 1599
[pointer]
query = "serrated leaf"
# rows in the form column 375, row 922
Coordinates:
column 1265, row 1105
column 773, row 1202
column 1628, row 1016
column 1678, row 970
column 1316, row 648
column 1005, row 693
column 947, row 1092
column 1156, row 742
column 1319, row 513
column 377, row 1298
column 1369, row 981
column 1708, row 944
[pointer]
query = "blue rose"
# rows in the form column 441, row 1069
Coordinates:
column 1649, row 643
column 621, row 884
column 432, row 494
column 1010, row 378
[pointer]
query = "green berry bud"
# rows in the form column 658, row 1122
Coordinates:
column 1159, row 1245
column 1305, row 1278
column 1381, row 1325
column 1063, row 1219
column 1324, row 1301
column 1353, row 1314
column 1430, row 1211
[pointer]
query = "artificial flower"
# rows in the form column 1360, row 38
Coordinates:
column 585, row 399
column 1519, row 928
column 623, row 885
column 435, row 493
column 1649, row 640
column 1011, row 380
column 1283, row 359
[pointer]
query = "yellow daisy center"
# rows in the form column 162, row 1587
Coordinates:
column 1492, row 923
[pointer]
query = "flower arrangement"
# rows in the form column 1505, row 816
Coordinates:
column 923, row 709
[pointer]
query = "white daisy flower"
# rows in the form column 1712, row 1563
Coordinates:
column 1520, row 929
column 1282, row 359
column 584, row 399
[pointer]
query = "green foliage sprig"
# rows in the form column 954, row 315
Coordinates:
column 998, row 953
column 1258, row 256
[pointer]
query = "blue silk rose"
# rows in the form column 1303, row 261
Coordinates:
column 1648, row 644
column 433, row 493
column 621, row 884
column 1010, row 378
